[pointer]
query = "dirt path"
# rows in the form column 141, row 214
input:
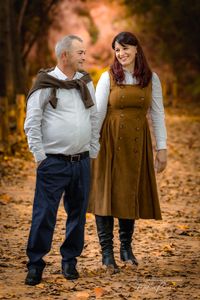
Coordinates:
column 167, row 250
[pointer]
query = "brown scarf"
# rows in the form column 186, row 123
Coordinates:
column 44, row 80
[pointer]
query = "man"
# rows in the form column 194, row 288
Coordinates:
column 62, row 131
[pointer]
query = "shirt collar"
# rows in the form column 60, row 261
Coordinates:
column 60, row 75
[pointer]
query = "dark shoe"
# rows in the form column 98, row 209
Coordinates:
column 126, row 229
column 105, row 233
column 127, row 255
column 69, row 271
column 108, row 260
column 33, row 277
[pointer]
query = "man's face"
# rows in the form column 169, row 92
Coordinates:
column 76, row 55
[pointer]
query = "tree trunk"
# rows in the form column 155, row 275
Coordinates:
column 19, row 69
column 4, row 128
column 10, row 48
column 20, row 110
column 3, row 46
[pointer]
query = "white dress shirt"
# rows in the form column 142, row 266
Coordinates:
column 156, row 109
column 68, row 129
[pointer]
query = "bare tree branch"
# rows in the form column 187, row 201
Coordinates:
column 21, row 15
column 36, row 34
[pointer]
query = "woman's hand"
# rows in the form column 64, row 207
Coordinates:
column 161, row 160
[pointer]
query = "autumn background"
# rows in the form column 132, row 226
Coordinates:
column 168, row 250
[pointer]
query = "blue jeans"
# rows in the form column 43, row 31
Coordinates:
column 56, row 176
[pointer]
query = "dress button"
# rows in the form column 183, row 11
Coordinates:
column 118, row 148
column 120, row 138
column 142, row 98
column 135, row 150
column 122, row 97
column 136, row 139
column 122, row 115
column 121, row 126
column 137, row 128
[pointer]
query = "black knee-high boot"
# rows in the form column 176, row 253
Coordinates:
column 105, row 234
column 126, row 228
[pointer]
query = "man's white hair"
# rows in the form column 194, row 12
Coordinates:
column 65, row 44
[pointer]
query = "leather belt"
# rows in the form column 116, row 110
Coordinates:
column 71, row 158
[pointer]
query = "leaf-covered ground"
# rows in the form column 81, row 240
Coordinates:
column 168, row 251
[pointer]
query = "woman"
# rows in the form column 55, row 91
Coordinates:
column 124, row 184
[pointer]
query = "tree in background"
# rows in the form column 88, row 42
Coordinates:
column 23, row 24
column 172, row 27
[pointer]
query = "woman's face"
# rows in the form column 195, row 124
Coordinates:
column 125, row 54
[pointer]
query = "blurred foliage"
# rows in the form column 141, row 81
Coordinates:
column 90, row 24
column 38, row 16
column 96, row 74
column 27, row 26
column 172, row 28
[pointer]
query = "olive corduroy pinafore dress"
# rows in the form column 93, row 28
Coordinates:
column 123, row 179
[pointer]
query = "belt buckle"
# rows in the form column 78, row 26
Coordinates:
column 75, row 157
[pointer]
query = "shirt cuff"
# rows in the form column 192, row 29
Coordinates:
column 161, row 145
column 94, row 150
column 39, row 156
column 93, row 154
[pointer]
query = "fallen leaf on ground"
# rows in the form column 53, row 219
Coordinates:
column 5, row 198
column 168, row 249
column 83, row 295
column 99, row 292
column 183, row 227
column 40, row 285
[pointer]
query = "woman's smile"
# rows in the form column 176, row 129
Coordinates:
column 125, row 54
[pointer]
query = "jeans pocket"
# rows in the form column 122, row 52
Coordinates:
column 42, row 163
